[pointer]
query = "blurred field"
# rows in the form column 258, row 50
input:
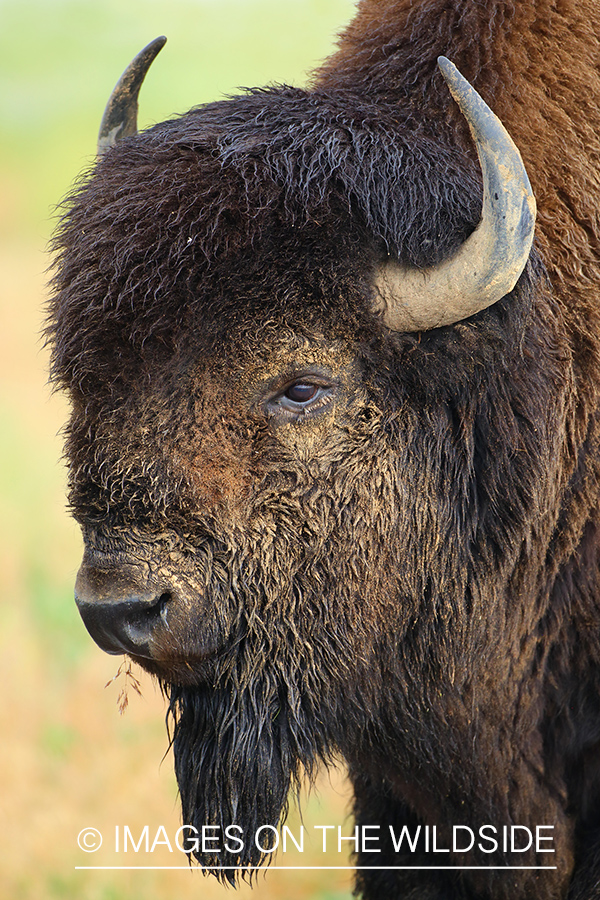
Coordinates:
column 68, row 760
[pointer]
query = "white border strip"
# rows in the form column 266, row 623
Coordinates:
column 266, row 869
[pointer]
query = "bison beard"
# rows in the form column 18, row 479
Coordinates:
column 237, row 754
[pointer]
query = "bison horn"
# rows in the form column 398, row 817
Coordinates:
column 488, row 264
column 120, row 116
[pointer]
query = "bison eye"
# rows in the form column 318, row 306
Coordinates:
column 304, row 396
column 301, row 392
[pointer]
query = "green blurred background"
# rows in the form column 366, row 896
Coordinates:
column 68, row 760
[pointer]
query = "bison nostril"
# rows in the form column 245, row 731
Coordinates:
column 120, row 618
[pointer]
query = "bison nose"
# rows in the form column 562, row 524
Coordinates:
column 120, row 613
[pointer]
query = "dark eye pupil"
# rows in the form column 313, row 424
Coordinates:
column 301, row 393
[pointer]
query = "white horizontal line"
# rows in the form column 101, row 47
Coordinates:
column 306, row 868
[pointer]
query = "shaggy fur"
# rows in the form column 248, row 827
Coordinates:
column 407, row 574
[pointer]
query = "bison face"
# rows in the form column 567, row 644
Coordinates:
column 219, row 503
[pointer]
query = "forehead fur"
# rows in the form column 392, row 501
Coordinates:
column 276, row 203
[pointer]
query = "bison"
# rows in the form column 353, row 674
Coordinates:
column 334, row 443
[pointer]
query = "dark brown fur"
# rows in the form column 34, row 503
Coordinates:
column 408, row 576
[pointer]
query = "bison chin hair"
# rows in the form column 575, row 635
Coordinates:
column 238, row 752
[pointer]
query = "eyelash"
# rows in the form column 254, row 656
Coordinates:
column 283, row 403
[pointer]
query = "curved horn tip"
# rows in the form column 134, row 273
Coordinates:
column 120, row 116
column 447, row 67
column 468, row 99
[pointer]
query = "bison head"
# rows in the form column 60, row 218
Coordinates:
column 286, row 473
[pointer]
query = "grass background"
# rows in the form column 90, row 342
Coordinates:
column 68, row 760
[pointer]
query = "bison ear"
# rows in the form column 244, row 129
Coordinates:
column 120, row 116
column 488, row 264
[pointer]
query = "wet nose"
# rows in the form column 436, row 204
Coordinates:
column 120, row 611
